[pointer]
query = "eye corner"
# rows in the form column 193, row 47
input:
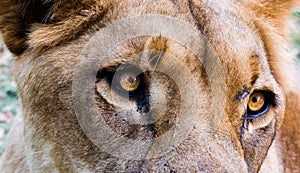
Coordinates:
column 124, row 79
column 271, row 96
column 106, row 72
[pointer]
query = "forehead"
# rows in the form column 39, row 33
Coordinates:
column 228, row 26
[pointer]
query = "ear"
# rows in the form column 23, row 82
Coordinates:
column 273, row 20
column 16, row 18
column 41, row 24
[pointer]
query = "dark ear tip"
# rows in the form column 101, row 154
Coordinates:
column 14, row 44
column 16, row 50
column 16, row 19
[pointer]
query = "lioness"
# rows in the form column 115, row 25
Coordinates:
column 152, row 86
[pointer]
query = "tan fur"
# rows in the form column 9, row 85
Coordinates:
column 250, row 39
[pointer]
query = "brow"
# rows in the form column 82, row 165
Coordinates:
column 255, row 68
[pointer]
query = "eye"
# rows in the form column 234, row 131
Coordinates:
column 124, row 81
column 129, row 81
column 259, row 104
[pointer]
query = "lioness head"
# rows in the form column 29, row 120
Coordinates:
column 150, row 86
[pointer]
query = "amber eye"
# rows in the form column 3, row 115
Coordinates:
column 129, row 81
column 258, row 104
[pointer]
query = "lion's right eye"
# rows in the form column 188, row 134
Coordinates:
column 129, row 81
column 126, row 80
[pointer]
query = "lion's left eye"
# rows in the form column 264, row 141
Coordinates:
column 258, row 104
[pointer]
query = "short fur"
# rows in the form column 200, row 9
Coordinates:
column 250, row 38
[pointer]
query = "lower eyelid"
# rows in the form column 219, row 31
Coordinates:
column 261, row 122
column 265, row 111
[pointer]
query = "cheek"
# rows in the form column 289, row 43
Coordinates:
column 256, row 145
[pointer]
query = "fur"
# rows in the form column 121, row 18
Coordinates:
column 250, row 38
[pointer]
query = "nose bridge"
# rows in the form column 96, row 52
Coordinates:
column 217, row 153
column 222, row 151
column 226, row 144
column 225, row 155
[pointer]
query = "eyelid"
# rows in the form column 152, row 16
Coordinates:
column 265, row 111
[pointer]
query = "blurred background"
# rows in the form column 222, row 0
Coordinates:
column 296, row 35
column 10, row 104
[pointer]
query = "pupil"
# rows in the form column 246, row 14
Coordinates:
column 131, row 79
column 254, row 99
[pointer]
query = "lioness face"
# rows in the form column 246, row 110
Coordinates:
column 156, row 86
